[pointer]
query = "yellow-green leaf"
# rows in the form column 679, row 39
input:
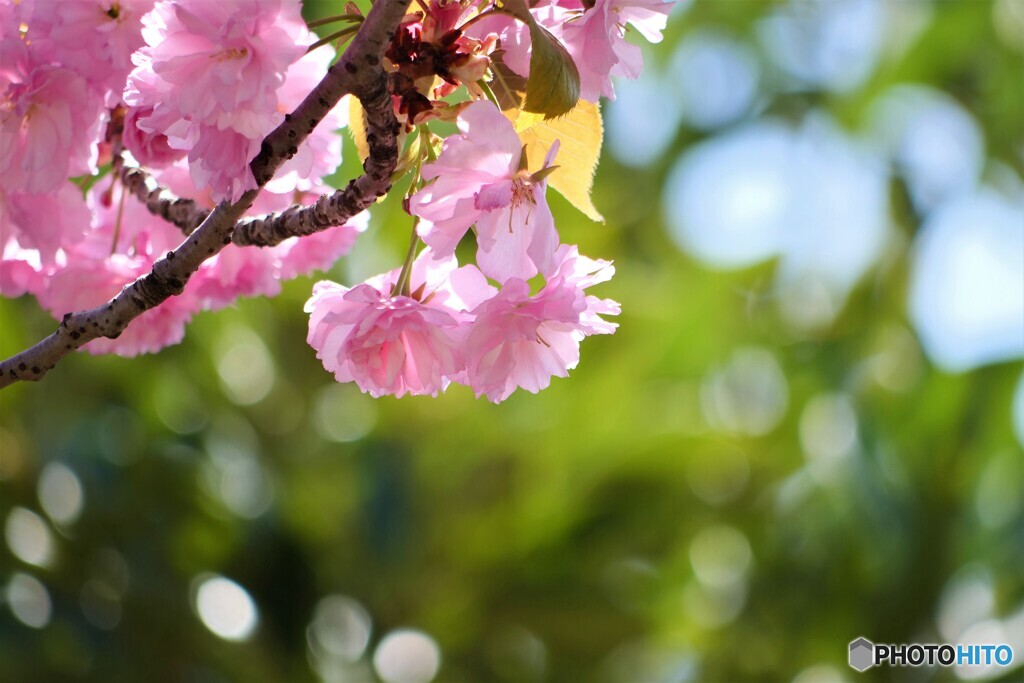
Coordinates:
column 579, row 134
column 357, row 127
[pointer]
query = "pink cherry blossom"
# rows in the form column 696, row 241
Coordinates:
column 20, row 271
column 518, row 340
column 177, row 178
column 11, row 18
column 598, row 45
column 211, row 73
column 49, row 122
column 234, row 273
column 395, row 344
column 478, row 179
column 584, row 272
column 94, row 38
column 121, row 244
column 522, row 341
column 35, row 232
column 223, row 61
column 44, row 222
column 150, row 148
column 121, row 224
column 219, row 160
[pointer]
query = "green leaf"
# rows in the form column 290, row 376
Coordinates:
column 554, row 85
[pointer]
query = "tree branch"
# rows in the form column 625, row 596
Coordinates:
column 167, row 278
column 359, row 71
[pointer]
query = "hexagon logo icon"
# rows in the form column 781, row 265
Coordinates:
column 862, row 654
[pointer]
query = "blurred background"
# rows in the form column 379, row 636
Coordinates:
column 808, row 428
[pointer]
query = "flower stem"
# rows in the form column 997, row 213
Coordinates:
column 334, row 19
column 427, row 141
column 337, row 35
column 402, row 285
column 117, row 221
column 490, row 93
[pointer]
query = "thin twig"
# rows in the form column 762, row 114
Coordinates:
column 337, row 35
column 334, row 19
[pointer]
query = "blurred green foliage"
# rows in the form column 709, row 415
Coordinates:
column 606, row 529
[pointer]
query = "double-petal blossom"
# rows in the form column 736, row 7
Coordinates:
column 480, row 178
column 519, row 340
column 49, row 122
column 210, row 76
column 395, row 344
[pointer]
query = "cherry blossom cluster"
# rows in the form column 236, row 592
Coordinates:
column 185, row 91
column 199, row 84
column 446, row 324
column 455, row 327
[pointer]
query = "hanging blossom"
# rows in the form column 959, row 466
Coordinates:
column 20, row 270
column 35, row 229
column 49, row 126
column 519, row 340
column 240, row 271
column 454, row 327
column 71, row 254
column 150, row 149
column 210, row 80
column 397, row 344
column 319, row 155
column 211, row 73
column 480, row 178
column 85, row 284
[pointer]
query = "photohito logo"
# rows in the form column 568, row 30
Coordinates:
column 864, row 654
